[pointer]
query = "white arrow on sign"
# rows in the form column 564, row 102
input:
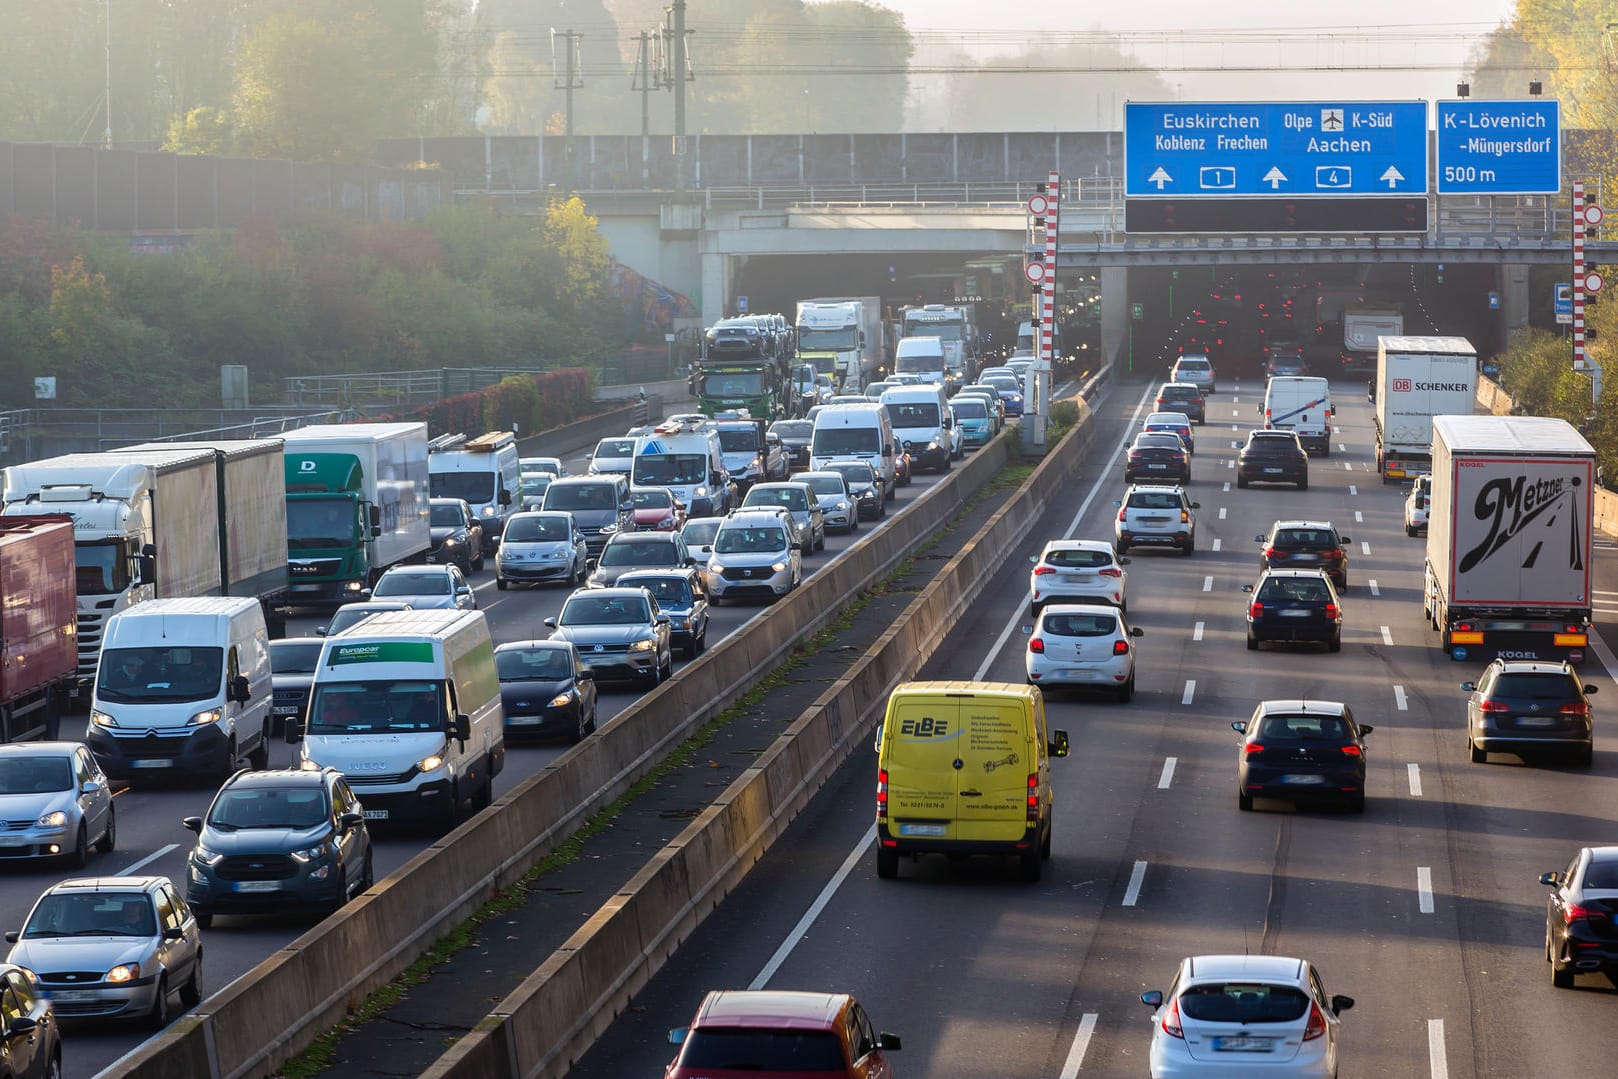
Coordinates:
column 1159, row 177
column 1275, row 177
column 1392, row 176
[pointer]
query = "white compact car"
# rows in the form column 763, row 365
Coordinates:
column 1078, row 571
column 426, row 587
column 1244, row 1017
column 1416, row 505
column 1156, row 515
column 1083, row 644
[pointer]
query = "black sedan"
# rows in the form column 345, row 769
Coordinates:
column 1580, row 934
column 1294, row 605
column 1522, row 706
column 457, row 534
column 795, row 436
column 1306, row 545
column 1157, row 458
column 1272, row 457
column 546, row 690
column 1301, row 751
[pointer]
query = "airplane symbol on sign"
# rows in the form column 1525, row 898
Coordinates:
column 1331, row 120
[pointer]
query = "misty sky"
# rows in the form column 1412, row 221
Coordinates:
column 1261, row 35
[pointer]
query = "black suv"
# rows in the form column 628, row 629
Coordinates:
column 1183, row 397
column 1294, row 605
column 1306, row 545
column 1272, row 457
column 278, row 841
column 1301, row 750
column 1159, row 457
column 1520, row 706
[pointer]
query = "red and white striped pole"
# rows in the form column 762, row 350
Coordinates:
column 1578, row 275
column 1047, row 294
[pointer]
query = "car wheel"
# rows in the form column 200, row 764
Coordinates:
column 1029, row 867
column 229, row 765
column 1244, row 801
column 1190, row 548
column 109, row 838
column 501, row 583
column 887, row 863
column 158, row 1017
column 1585, row 756
column 342, row 890
column 191, row 991
column 1241, row 483
column 1252, row 643
column 854, row 525
column 259, row 759
column 1342, row 583
column 367, row 875
column 1126, row 692
column 1335, row 644
column 1478, row 755
column 1303, row 484
column 1561, row 976
column 1123, row 548
column 1356, row 802
column 204, row 918
column 716, row 600
column 81, row 850
column 1325, row 451
column 590, row 724
column 1045, row 844
column 478, row 562
column 1410, row 531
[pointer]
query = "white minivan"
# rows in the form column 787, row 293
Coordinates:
column 923, row 422
column 485, row 471
column 859, row 432
column 182, row 688
column 1303, row 405
column 921, row 356
column 406, row 704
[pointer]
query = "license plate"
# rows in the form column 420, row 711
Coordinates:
column 524, row 721
column 1303, row 781
column 9, row 841
column 376, row 814
column 1536, row 721
column 1306, row 557
column 1243, row 1045
column 1157, row 466
column 1272, row 471
column 151, row 764
column 284, row 710
column 1295, row 614
column 936, row 830
column 70, row 996
column 257, row 885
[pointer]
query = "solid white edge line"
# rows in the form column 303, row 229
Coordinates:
column 1190, row 691
column 1387, row 636
column 130, row 870
column 1399, row 699
column 1081, row 1044
column 1137, row 877
column 1196, row 632
column 1167, row 777
column 809, row 916
column 1415, row 779
column 1437, row 1055
column 1424, row 889
column 1084, row 507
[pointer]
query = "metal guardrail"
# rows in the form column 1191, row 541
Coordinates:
column 31, row 434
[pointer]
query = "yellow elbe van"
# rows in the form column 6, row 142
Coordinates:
column 964, row 768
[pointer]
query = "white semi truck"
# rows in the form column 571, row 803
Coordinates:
column 842, row 337
column 1418, row 378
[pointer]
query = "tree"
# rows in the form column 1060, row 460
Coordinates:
column 585, row 262
column 528, row 67
column 827, row 67
column 203, row 130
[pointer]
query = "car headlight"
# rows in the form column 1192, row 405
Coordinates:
column 701, row 492
column 487, row 511
column 933, row 444
column 202, row 719
column 310, row 853
column 451, row 542
column 716, row 567
column 52, row 820
column 430, row 763
column 561, row 700
column 123, row 972
column 643, row 646
column 779, row 567
column 203, row 856
column 102, row 719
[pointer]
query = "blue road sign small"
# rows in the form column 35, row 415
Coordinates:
column 1235, row 149
column 1499, row 147
column 1563, row 303
column 741, row 305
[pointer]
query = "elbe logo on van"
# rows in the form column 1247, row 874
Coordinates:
column 1401, row 385
column 925, row 727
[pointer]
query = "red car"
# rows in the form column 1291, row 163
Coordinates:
column 742, row 1034
column 657, row 510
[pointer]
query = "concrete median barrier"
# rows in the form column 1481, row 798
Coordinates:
column 540, row 1030
column 273, row 1011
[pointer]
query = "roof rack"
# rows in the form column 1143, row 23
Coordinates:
column 445, row 442
column 490, row 441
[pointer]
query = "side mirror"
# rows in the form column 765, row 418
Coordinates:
column 586, row 674
column 146, row 565
column 22, row 1024
column 1033, row 560
column 1366, row 729
column 462, row 728
column 350, row 821
column 90, row 786
column 551, row 622
column 1240, row 726
column 1549, row 880
column 294, row 732
column 1153, row 999
column 12, row 935
column 1344, row 539
column 662, row 619
column 1470, row 687
column 374, row 518
column 193, row 824
column 1124, row 561
column 1247, row 588
column 1136, row 631
column 241, row 689
column 1196, row 505
column 1340, row 1003
column 1258, row 539
column 320, row 631
column 173, row 932
column 1589, row 689
column 889, row 1042
column 1058, row 744
column 376, row 530
column 505, row 497
column 1117, row 503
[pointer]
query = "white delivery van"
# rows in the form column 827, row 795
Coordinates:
column 922, row 356
column 1301, row 404
column 923, row 422
column 182, row 688
column 485, row 471
column 406, row 704
column 859, row 432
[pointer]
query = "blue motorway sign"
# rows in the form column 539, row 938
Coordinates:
column 1180, row 149
column 1499, row 147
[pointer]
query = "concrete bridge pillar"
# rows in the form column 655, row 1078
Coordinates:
column 718, row 278
column 1513, row 285
column 1114, row 310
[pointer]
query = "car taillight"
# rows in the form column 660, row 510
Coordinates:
column 1335, row 553
column 1577, row 708
column 1255, row 610
column 1171, row 1021
column 1487, row 705
column 1040, row 571
column 1111, row 572
column 1036, row 645
column 1576, row 912
column 1350, row 751
column 1317, row 1023
column 1270, row 552
column 1254, row 747
column 1120, row 648
column 1121, row 513
column 882, row 794
column 1033, row 797
column 1331, row 610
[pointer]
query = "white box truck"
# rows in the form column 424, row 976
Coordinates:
column 1508, row 538
column 356, row 504
column 842, row 337
column 1418, row 378
column 1363, row 324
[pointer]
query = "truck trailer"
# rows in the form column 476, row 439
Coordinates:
column 39, row 656
column 1509, row 538
column 1363, row 325
column 1418, row 378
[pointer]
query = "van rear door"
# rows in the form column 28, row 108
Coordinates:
column 997, row 757
column 923, row 737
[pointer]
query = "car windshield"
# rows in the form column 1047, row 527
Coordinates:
column 383, row 706
column 1080, row 625
column 294, row 657
column 1154, row 500
column 657, row 469
column 349, row 615
column 761, row 540
column 581, row 496
column 1308, row 539
column 913, row 414
column 394, row 583
column 836, row 440
column 738, row 439
column 474, row 487
column 639, row 553
column 615, row 447
column 855, row 473
column 35, row 775
column 1243, row 1002
column 92, row 914
column 969, row 410
column 537, row 530
column 775, row 496
column 591, row 610
column 299, row 807
column 1534, row 687
column 448, row 516
column 700, row 533
column 670, row 591
column 734, row 383
column 159, row 675
column 1004, row 383
column 1080, row 559
column 312, row 523
column 823, row 485
column 793, row 428
column 1278, row 589
column 652, row 500
column 533, row 664
column 1308, row 728
column 763, row 1051
column 1168, row 441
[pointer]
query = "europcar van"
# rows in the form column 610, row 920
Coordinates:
column 406, row 704
column 862, row 432
column 964, row 768
column 183, row 687
column 1303, row 405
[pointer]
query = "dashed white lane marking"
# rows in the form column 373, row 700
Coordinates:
column 1190, row 691
column 1235, row 412
column 1216, row 543
column 1424, row 888
column 1375, row 591
column 1221, row 513
column 1387, row 635
column 861, row 850
column 1415, row 779
column 1081, row 1043
column 1227, row 485
column 130, row 870
column 1399, row 701
column 1365, row 546
column 1353, row 490
column 1230, row 464
column 1359, row 518
column 1233, row 427
column 1347, row 467
column 1136, row 878
column 1196, row 632
column 1437, row 1057
column 1207, row 584
column 1341, row 448
column 1167, row 777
